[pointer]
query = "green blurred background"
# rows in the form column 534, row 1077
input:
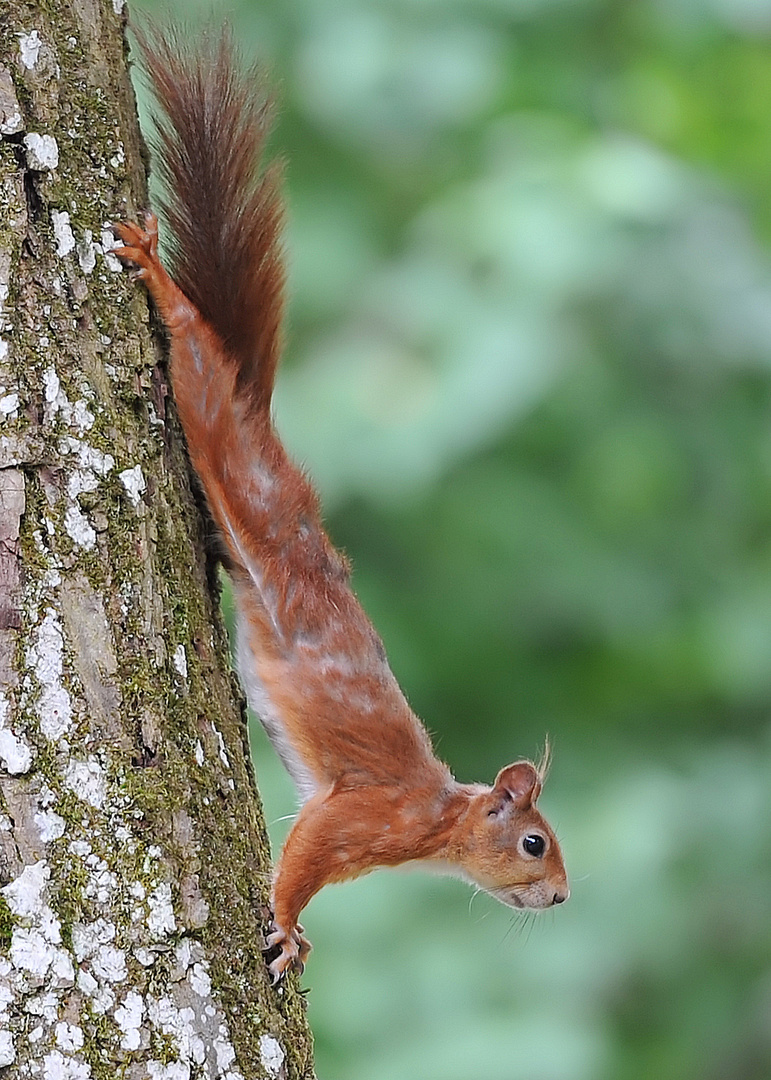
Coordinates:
column 529, row 365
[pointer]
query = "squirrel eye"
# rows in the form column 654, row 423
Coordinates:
column 534, row 845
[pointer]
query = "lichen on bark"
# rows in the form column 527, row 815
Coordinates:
column 134, row 864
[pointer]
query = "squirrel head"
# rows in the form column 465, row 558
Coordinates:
column 506, row 845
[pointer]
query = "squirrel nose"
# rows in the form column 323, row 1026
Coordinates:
column 559, row 897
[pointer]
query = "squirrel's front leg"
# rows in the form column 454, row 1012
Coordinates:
column 294, row 884
column 337, row 835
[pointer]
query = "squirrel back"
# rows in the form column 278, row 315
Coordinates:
column 304, row 643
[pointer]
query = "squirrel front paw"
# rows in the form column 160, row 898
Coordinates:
column 294, row 948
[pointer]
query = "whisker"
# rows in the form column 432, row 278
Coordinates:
column 484, row 915
column 512, row 924
column 517, row 922
column 263, row 875
column 530, row 923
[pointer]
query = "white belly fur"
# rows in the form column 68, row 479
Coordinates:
column 260, row 701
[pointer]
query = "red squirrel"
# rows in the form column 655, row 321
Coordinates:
column 373, row 792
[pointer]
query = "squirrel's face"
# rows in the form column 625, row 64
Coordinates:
column 510, row 850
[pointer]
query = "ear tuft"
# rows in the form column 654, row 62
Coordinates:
column 520, row 782
column 544, row 762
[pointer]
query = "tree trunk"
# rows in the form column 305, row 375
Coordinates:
column 133, row 852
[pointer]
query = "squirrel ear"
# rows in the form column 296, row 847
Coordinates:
column 520, row 782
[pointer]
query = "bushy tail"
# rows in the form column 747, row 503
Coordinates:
column 224, row 212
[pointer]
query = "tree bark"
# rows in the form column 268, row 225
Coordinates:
column 133, row 854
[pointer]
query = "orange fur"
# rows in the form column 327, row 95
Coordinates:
column 313, row 666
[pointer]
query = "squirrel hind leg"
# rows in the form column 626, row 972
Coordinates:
column 140, row 245
column 140, row 250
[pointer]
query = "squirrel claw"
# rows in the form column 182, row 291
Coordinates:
column 140, row 245
column 294, row 951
